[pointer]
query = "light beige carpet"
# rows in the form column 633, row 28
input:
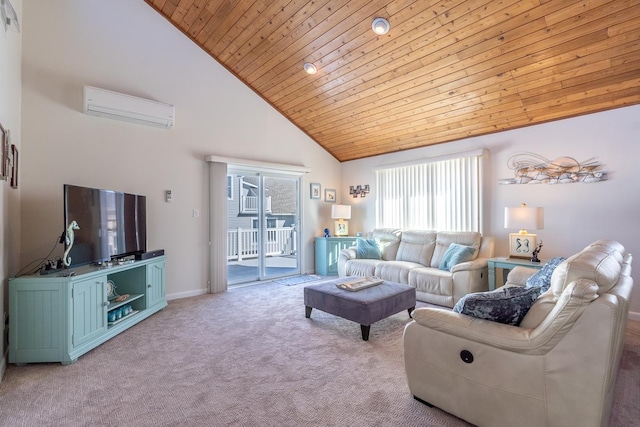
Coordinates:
column 248, row 357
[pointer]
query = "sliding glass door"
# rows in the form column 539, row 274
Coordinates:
column 263, row 236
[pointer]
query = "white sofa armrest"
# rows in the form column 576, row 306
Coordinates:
column 476, row 264
column 344, row 256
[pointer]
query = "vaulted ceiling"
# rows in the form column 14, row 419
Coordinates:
column 446, row 70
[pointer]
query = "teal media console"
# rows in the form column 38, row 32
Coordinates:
column 59, row 318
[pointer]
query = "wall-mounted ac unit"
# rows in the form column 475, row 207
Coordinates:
column 114, row 105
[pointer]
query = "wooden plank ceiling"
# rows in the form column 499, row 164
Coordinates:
column 446, row 70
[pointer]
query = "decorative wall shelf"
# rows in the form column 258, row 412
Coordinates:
column 530, row 168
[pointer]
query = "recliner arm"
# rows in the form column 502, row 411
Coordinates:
column 540, row 340
column 476, row 264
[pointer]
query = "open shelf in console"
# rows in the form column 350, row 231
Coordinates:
column 113, row 304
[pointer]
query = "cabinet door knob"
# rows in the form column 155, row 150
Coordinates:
column 149, row 285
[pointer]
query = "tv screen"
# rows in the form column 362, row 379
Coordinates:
column 112, row 224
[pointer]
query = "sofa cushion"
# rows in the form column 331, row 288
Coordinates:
column 455, row 255
column 368, row 249
column 416, row 246
column 446, row 238
column 542, row 278
column 396, row 271
column 508, row 304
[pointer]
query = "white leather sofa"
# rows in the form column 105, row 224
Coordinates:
column 412, row 257
column 558, row 368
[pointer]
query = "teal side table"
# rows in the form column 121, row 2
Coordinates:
column 507, row 264
column 327, row 253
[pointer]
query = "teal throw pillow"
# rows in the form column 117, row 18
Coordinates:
column 542, row 278
column 368, row 249
column 506, row 305
column 455, row 255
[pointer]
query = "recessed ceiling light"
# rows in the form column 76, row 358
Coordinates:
column 380, row 26
column 310, row 68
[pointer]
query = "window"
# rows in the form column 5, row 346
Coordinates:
column 229, row 187
column 437, row 194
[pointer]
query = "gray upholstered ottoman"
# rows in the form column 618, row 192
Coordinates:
column 365, row 306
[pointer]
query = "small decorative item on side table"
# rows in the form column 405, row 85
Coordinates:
column 536, row 251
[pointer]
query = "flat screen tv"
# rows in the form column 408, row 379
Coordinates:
column 111, row 224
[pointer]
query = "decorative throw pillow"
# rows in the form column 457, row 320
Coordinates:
column 506, row 305
column 367, row 248
column 455, row 255
column 542, row 279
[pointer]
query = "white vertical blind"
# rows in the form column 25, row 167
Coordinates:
column 217, row 227
column 443, row 195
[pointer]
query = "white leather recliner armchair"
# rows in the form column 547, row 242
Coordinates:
column 558, row 368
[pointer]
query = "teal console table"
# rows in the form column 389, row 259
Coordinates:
column 59, row 318
column 327, row 252
column 507, row 264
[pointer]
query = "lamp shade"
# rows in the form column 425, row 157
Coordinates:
column 524, row 218
column 341, row 212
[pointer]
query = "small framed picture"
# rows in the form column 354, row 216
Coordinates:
column 315, row 190
column 330, row 195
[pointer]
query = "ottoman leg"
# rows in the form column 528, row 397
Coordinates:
column 410, row 310
column 365, row 332
column 307, row 311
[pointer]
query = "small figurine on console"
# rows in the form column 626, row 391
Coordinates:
column 536, row 251
column 326, row 233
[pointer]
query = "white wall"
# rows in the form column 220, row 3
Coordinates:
column 128, row 47
column 575, row 214
column 10, row 102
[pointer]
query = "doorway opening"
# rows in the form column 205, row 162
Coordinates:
column 263, row 238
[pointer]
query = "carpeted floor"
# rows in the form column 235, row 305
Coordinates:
column 297, row 280
column 247, row 357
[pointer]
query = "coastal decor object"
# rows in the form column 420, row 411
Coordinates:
column 68, row 239
column 341, row 212
column 530, row 168
column 536, row 251
column 523, row 243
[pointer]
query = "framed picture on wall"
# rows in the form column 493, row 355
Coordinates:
column 330, row 195
column 4, row 159
column 315, row 190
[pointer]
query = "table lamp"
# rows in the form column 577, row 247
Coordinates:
column 522, row 244
column 341, row 212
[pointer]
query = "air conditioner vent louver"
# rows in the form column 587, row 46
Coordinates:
column 118, row 106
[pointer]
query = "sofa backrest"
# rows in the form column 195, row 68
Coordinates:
column 600, row 262
column 388, row 239
column 417, row 246
column 446, row 238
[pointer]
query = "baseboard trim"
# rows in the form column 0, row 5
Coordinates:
column 187, row 294
column 633, row 315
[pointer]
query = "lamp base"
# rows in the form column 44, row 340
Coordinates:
column 341, row 228
column 522, row 245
